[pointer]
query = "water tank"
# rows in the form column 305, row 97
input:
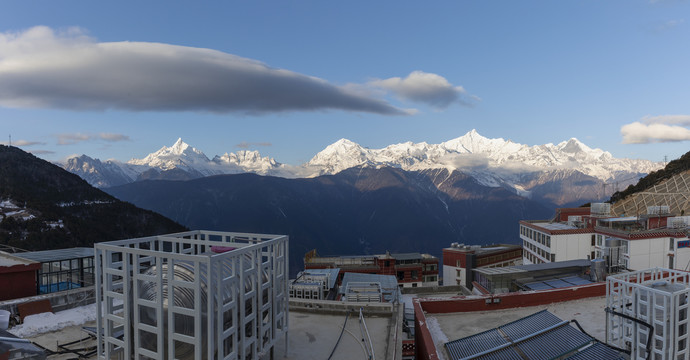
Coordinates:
column 598, row 270
column 184, row 298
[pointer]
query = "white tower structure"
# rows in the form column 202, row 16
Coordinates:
column 647, row 313
column 192, row 295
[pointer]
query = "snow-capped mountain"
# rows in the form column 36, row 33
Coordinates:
column 538, row 171
column 473, row 153
column 178, row 162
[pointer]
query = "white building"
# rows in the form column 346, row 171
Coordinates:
column 635, row 243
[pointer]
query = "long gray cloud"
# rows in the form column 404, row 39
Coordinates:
column 74, row 138
column 42, row 68
column 428, row 88
column 22, row 143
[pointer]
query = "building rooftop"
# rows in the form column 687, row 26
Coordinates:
column 7, row 260
column 389, row 284
column 451, row 326
column 57, row 255
column 541, row 335
column 556, row 226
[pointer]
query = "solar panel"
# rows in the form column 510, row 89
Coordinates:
column 538, row 285
column 557, row 283
column 541, row 335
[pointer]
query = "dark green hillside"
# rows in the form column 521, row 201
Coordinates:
column 672, row 168
column 51, row 194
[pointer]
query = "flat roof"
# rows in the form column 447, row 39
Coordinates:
column 407, row 256
column 533, row 267
column 555, row 226
column 588, row 312
column 541, row 335
column 57, row 255
column 389, row 284
column 333, row 272
column 7, row 260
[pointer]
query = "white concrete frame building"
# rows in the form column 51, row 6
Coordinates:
column 647, row 313
column 192, row 295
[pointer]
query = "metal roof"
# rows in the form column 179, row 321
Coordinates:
column 541, row 335
column 57, row 255
column 555, row 226
column 556, row 265
column 332, row 272
column 389, row 284
column 407, row 256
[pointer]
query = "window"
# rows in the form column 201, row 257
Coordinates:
column 401, row 275
column 593, row 237
column 670, row 245
column 415, row 275
column 599, row 240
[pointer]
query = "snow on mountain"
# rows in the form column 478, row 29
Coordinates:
column 493, row 160
column 180, row 156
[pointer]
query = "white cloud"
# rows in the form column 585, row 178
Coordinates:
column 640, row 133
column 43, row 68
column 74, row 138
column 428, row 88
column 667, row 119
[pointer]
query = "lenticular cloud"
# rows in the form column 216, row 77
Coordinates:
column 43, row 68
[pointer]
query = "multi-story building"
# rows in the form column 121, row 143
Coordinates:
column 411, row 269
column 460, row 259
column 656, row 239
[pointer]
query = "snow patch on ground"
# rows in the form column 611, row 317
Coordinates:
column 437, row 334
column 35, row 325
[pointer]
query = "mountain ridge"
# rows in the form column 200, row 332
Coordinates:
column 59, row 209
column 493, row 162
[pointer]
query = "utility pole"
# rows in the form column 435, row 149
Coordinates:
column 10, row 140
column 665, row 159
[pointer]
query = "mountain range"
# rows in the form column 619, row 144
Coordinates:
column 568, row 173
column 360, row 210
column 43, row 207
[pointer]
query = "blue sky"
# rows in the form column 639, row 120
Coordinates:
column 121, row 79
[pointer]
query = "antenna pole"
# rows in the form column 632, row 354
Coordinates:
column 10, row 140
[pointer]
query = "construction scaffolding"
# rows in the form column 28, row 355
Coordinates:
column 192, row 295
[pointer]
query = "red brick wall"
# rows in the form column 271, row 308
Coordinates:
column 450, row 258
column 513, row 300
column 426, row 350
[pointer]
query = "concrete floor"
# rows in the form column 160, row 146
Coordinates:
column 313, row 336
column 589, row 313
column 50, row 340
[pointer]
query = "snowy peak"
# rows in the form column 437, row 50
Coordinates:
column 179, row 155
column 178, row 147
column 495, row 157
column 248, row 160
column 573, row 146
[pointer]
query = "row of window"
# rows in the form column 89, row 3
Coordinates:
column 536, row 236
column 496, row 258
column 532, row 251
